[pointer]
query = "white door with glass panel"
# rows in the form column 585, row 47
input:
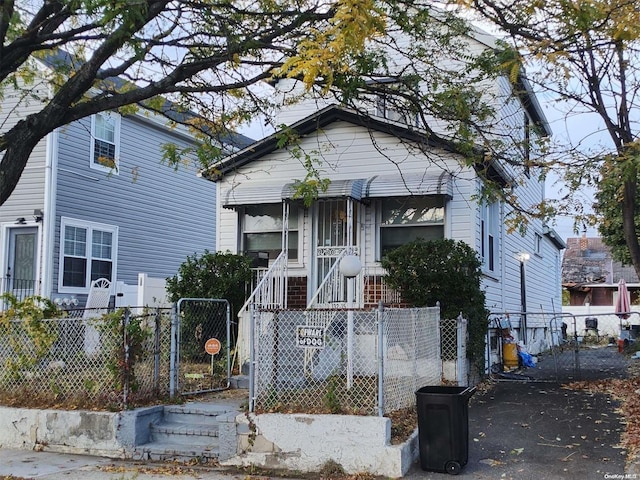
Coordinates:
column 20, row 276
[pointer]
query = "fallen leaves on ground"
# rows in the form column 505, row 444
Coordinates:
column 627, row 392
column 159, row 469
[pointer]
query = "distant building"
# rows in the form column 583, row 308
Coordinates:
column 591, row 275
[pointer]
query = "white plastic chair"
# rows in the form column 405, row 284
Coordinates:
column 96, row 306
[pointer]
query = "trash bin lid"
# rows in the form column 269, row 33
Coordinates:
column 446, row 390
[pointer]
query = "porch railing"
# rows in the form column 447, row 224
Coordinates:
column 270, row 292
column 19, row 288
column 332, row 291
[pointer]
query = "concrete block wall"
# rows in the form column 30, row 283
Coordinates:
column 306, row 443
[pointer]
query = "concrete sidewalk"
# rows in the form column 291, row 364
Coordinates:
column 60, row 466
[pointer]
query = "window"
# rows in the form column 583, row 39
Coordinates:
column 537, row 244
column 404, row 219
column 88, row 252
column 489, row 221
column 387, row 104
column 262, row 230
column 105, row 141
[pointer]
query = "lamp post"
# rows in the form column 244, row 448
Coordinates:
column 523, row 257
column 350, row 267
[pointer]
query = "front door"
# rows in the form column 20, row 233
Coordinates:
column 335, row 232
column 20, row 277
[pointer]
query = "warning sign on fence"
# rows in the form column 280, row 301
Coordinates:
column 310, row 336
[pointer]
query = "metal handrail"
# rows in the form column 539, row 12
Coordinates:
column 329, row 276
column 263, row 295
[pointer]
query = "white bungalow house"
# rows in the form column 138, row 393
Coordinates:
column 390, row 183
column 383, row 192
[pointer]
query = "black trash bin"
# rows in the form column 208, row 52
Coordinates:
column 443, row 427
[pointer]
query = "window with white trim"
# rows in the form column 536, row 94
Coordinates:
column 87, row 252
column 262, row 230
column 537, row 244
column 105, row 141
column 405, row 219
column 489, row 230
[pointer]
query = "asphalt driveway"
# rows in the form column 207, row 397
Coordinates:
column 536, row 430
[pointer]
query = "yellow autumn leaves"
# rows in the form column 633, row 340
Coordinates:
column 329, row 50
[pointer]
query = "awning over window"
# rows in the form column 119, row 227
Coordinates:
column 409, row 184
column 252, row 194
column 337, row 189
column 359, row 188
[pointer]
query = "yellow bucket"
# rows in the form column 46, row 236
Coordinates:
column 510, row 355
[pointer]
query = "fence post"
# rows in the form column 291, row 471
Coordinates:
column 156, row 353
column 252, row 358
column 228, row 342
column 173, row 357
column 380, row 359
column 461, row 368
column 125, row 384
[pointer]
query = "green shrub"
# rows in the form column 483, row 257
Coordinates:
column 445, row 271
column 212, row 275
column 25, row 326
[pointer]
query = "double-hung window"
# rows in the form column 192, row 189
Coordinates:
column 87, row 252
column 105, row 141
column 262, row 230
column 489, row 235
column 405, row 219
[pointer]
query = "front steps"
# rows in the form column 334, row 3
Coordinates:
column 190, row 433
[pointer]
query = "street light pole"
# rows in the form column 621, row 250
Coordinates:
column 523, row 295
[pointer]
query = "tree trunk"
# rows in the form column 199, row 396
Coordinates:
column 628, row 219
column 21, row 142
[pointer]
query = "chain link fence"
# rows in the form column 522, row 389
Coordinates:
column 86, row 359
column 344, row 360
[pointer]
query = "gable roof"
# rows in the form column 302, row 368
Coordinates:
column 588, row 261
column 59, row 58
column 333, row 113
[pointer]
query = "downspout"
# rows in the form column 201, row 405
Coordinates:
column 49, row 220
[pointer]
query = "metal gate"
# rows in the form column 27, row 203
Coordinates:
column 567, row 347
column 201, row 342
column 582, row 351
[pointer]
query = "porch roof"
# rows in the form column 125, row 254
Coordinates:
column 377, row 186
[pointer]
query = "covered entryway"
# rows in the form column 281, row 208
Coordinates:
column 335, row 235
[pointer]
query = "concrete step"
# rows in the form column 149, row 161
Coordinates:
column 196, row 413
column 184, row 433
column 239, row 382
column 176, row 452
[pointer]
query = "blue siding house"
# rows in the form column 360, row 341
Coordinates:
column 96, row 201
